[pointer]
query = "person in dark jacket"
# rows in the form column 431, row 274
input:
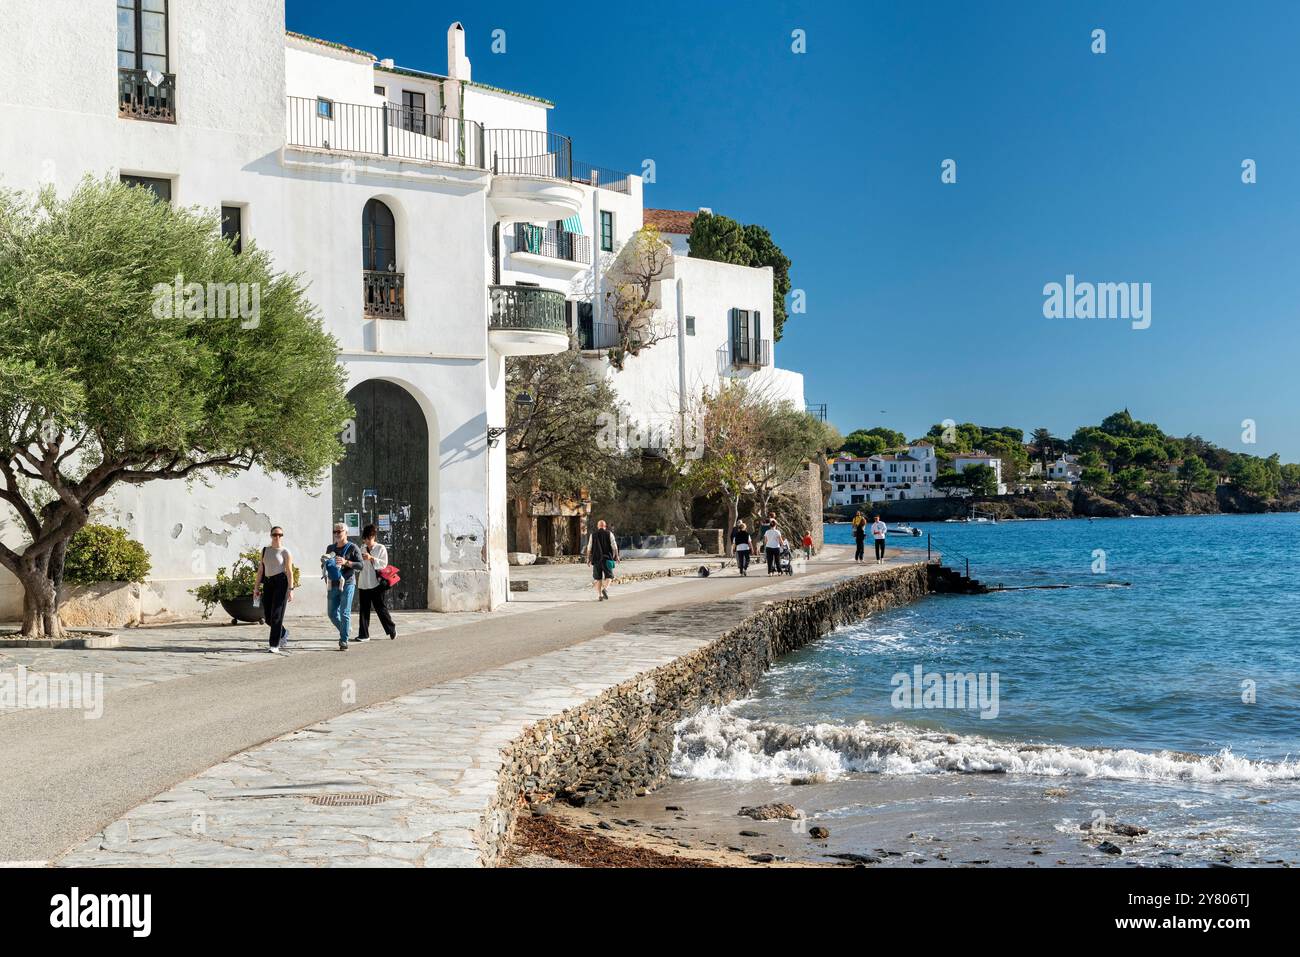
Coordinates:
column 741, row 545
column 859, row 537
column 602, row 553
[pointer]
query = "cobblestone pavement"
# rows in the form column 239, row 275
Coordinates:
column 429, row 759
column 157, row 653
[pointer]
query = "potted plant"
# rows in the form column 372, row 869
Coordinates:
column 233, row 589
column 102, row 572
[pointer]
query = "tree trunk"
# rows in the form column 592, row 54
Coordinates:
column 40, row 605
column 733, row 512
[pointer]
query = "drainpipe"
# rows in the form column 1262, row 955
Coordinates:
column 681, row 360
column 598, row 304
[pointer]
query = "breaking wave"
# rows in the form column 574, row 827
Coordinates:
column 717, row 744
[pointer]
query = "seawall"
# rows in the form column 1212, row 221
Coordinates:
column 619, row 742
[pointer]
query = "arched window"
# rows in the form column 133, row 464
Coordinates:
column 378, row 238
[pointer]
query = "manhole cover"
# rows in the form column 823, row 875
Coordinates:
column 353, row 799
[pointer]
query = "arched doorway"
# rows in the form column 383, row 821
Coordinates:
column 384, row 478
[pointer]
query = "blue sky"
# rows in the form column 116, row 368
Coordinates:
column 925, row 299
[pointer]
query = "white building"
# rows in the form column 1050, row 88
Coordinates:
column 886, row 477
column 964, row 459
column 1065, row 469
column 399, row 195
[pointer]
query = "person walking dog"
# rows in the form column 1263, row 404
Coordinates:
column 602, row 553
column 878, row 532
column 371, row 587
column 273, row 587
column 339, row 566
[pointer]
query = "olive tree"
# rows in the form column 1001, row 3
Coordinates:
column 139, row 347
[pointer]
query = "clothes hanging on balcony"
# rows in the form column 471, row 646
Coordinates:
column 532, row 236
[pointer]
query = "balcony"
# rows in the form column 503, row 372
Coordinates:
column 527, row 321
column 388, row 131
column 532, row 175
column 602, row 178
column 551, row 246
column 146, row 95
column 384, row 294
column 751, row 353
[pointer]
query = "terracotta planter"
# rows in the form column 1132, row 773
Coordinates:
column 242, row 609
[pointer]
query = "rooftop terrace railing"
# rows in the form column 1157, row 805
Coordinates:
column 388, row 130
column 603, row 178
column 537, row 153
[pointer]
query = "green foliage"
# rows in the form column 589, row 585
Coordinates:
column 863, row 442
column 723, row 239
column 1255, row 476
column 235, row 582
column 1095, row 478
column 569, row 438
column 1195, row 476
column 101, row 553
column 1131, row 479
column 88, row 354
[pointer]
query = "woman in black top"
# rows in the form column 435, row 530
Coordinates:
column 859, row 539
column 740, row 544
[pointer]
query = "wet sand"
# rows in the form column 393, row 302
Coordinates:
column 935, row 820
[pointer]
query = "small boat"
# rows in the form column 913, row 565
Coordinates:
column 904, row 529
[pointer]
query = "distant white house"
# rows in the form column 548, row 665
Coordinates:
column 886, row 477
column 1065, row 469
column 964, row 460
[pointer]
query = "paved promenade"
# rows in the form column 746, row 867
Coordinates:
column 385, row 755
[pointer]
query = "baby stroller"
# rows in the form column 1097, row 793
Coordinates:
column 785, row 562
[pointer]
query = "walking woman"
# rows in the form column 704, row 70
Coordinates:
column 741, row 546
column 274, row 586
column 878, row 532
column 372, row 588
column 859, row 536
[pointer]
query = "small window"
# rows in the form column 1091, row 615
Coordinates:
column 606, row 231
column 324, row 108
column 161, row 188
column 381, row 90
column 690, row 325
column 232, row 227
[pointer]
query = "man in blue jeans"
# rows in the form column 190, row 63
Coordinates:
column 347, row 559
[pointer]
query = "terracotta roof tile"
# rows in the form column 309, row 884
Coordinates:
column 670, row 220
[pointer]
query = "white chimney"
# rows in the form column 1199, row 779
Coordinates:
column 457, row 61
column 386, row 63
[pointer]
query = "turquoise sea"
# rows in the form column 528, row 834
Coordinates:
column 1167, row 678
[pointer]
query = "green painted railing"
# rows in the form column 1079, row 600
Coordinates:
column 527, row 307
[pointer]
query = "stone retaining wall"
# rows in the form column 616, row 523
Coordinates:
column 620, row 742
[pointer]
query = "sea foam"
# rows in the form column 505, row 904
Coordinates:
column 718, row 744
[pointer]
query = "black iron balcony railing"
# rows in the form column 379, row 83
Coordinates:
column 527, row 308
column 552, row 243
column 385, row 294
column 597, row 334
column 140, row 98
column 817, row 411
column 603, row 178
column 751, row 352
column 529, row 153
column 389, row 130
